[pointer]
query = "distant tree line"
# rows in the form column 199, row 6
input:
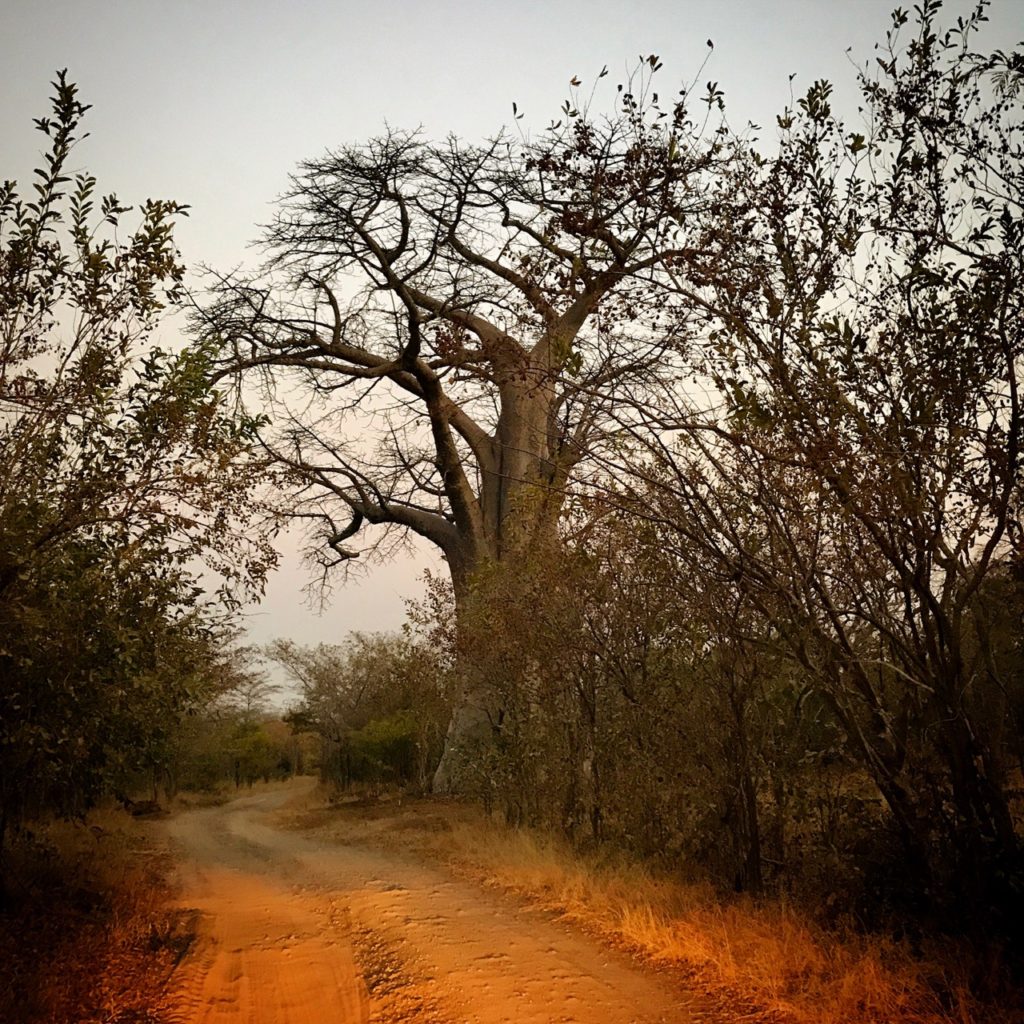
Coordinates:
column 377, row 704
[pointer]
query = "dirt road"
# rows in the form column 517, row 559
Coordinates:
column 295, row 931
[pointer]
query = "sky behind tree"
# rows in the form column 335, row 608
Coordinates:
column 213, row 103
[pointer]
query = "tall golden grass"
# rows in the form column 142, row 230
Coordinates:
column 769, row 957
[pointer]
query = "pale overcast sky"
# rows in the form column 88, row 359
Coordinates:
column 213, row 102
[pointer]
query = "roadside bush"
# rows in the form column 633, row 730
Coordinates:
column 87, row 933
column 386, row 749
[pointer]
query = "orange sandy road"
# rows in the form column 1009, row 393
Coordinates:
column 287, row 919
column 267, row 953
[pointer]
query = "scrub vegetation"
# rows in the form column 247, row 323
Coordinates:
column 89, row 932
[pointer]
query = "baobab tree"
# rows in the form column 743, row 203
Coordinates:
column 441, row 329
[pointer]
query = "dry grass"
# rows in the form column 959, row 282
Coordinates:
column 766, row 960
column 87, row 933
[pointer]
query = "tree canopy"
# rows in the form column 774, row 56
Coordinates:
column 454, row 321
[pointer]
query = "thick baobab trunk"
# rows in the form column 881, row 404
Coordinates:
column 522, row 494
column 470, row 730
column 477, row 713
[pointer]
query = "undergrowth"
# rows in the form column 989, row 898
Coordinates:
column 87, row 932
column 769, row 957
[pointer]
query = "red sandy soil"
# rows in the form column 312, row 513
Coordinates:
column 296, row 931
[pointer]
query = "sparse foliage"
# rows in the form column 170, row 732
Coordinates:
column 859, row 479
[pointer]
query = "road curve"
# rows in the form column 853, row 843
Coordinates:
column 296, row 931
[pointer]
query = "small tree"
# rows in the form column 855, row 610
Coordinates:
column 118, row 467
column 378, row 704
